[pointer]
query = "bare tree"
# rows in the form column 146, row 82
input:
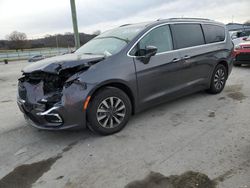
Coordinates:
column 47, row 36
column 68, row 33
column 247, row 23
column 97, row 32
column 18, row 40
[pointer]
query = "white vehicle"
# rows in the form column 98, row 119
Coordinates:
column 36, row 58
column 238, row 36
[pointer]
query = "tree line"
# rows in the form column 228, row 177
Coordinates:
column 18, row 41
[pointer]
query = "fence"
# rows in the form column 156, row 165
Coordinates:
column 11, row 55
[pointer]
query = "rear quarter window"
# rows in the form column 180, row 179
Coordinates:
column 187, row 35
column 214, row 33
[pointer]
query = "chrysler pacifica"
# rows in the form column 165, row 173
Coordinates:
column 123, row 71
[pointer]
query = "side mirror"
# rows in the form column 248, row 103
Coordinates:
column 150, row 51
column 147, row 53
column 244, row 38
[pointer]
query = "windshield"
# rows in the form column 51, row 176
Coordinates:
column 112, row 41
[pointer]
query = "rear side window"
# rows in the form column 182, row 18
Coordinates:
column 159, row 37
column 187, row 35
column 214, row 33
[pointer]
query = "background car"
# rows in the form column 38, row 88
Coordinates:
column 36, row 58
column 238, row 36
column 242, row 52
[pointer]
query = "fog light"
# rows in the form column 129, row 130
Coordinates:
column 50, row 116
column 53, row 118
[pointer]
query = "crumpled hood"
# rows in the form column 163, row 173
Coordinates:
column 56, row 64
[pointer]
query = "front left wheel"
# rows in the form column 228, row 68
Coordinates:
column 109, row 111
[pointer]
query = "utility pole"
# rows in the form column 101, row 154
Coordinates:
column 57, row 47
column 74, row 20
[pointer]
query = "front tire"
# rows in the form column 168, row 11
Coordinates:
column 218, row 80
column 109, row 111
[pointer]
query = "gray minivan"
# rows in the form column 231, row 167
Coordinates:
column 123, row 71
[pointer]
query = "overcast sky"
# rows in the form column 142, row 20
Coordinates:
column 37, row 18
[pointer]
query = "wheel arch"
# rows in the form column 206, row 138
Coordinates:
column 224, row 62
column 120, row 85
column 219, row 62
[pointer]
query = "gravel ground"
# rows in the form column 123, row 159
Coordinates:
column 203, row 133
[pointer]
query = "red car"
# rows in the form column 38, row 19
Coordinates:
column 242, row 52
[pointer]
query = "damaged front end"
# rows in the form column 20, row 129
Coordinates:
column 53, row 99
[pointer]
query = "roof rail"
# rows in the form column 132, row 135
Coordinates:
column 190, row 19
column 124, row 25
column 159, row 19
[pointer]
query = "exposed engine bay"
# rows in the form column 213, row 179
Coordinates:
column 47, row 85
column 52, row 78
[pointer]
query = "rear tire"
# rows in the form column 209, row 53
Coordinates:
column 218, row 80
column 109, row 111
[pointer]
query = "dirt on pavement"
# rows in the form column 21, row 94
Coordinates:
column 188, row 179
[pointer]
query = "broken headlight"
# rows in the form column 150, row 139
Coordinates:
column 75, row 80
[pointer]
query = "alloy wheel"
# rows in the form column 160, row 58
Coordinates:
column 219, row 79
column 111, row 112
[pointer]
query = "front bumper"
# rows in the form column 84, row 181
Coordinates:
column 65, row 114
column 242, row 58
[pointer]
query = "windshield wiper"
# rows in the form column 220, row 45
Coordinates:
column 89, row 53
column 125, row 40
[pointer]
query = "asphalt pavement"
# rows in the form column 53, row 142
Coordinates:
column 204, row 133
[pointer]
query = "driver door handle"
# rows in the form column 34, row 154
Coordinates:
column 186, row 57
column 175, row 60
